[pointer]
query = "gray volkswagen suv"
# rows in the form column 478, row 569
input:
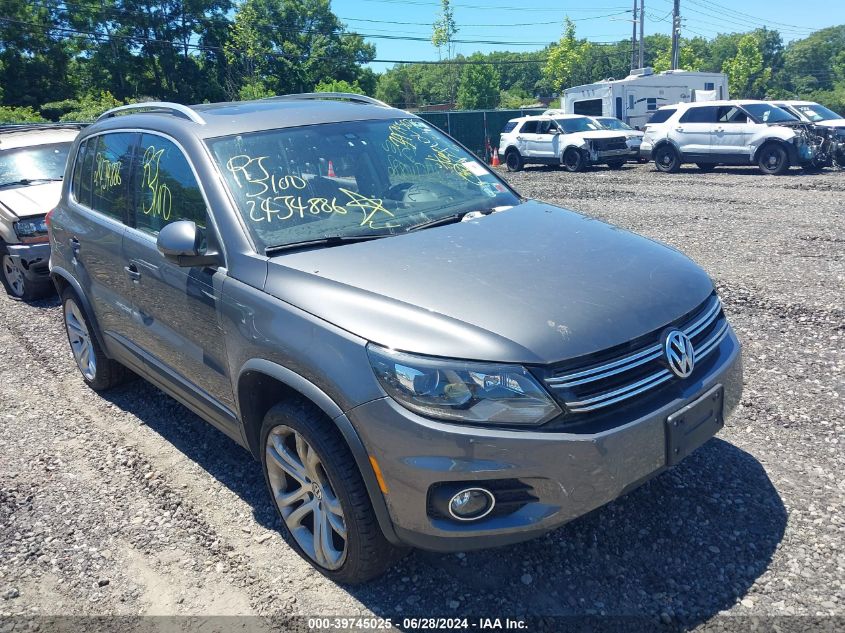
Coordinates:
column 418, row 356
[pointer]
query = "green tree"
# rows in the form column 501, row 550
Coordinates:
column 292, row 45
column 12, row 114
column 748, row 77
column 444, row 30
column 338, row 85
column 86, row 108
column 565, row 58
column 479, row 86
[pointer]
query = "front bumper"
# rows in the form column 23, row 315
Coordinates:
column 571, row 474
column 33, row 260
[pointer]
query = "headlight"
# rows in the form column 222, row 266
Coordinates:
column 31, row 230
column 462, row 390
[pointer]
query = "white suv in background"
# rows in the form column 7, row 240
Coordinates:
column 570, row 140
column 32, row 163
column 812, row 112
column 714, row 133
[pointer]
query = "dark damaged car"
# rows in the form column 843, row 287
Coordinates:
column 417, row 355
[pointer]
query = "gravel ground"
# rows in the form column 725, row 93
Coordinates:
column 129, row 504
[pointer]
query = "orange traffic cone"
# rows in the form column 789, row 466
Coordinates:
column 331, row 173
column 495, row 161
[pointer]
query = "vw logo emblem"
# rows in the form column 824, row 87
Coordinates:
column 679, row 352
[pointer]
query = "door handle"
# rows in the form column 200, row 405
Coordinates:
column 74, row 245
column 679, row 129
column 519, row 138
column 133, row 272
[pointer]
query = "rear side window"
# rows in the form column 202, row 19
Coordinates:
column 109, row 159
column 509, row 126
column 167, row 188
column 529, row 127
column 706, row 114
column 662, row 116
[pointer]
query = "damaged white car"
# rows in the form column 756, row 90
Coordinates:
column 572, row 141
column 735, row 133
column 32, row 163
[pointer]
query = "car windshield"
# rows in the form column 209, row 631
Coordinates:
column 815, row 112
column 580, row 124
column 355, row 178
column 33, row 163
column 614, row 124
column 768, row 113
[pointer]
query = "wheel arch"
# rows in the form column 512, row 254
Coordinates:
column 263, row 384
column 791, row 151
column 63, row 280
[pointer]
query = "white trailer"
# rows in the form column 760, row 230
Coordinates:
column 634, row 98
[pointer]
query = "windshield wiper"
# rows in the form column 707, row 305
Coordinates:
column 332, row 240
column 448, row 219
column 27, row 181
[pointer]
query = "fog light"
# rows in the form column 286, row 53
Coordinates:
column 471, row 504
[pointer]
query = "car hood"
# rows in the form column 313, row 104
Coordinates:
column 832, row 123
column 21, row 202
column 534, row 284
column 602, row 134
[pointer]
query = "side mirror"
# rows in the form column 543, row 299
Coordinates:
column 180, row 242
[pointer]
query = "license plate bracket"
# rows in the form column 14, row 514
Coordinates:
column 697, row 422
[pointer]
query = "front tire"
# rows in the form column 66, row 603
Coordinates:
column 15, row 282
column 98, row 370
column 320, row 495
column 574, row 160
column 773, row 159
column 514, row 161
column 666, row 159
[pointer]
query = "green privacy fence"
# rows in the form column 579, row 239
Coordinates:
column 474, row 128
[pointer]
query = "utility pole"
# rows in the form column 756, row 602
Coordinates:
column 642, row 28
column 676, row 35
column 634, row 40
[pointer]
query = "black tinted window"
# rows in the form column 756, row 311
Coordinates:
column 111, row 164
column 706, row 114
column 732, row 114
column 510, row 125
column 81, row 186
column 167, row 188
column 661, row 115
column 529, row 127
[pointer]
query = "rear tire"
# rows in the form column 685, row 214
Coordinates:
column 574, row 160
column 773, row 159
column 98, row 370
column 616, row 164
column 513, row 160
column 314, row 481
column 666, row 159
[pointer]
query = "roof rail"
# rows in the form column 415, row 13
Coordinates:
column 349, row 96
column 176, row 109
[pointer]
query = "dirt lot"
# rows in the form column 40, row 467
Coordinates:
column 129, row 504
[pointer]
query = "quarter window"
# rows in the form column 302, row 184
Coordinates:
column 510, row 125
column 109, row 159
column 167, row 189
column 661, row 116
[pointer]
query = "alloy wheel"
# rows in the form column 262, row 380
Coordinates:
column 80, row 341
column 14, row 276
column 305, row 497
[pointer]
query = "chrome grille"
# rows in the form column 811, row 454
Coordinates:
column 611, row 382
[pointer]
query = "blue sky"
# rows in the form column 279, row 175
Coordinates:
column 529, row 24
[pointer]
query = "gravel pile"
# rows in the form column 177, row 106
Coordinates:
column 130, row 504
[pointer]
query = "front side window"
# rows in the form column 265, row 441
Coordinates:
column 706, row 114
column 108, row 157
column 23, row 165
column 347, row 179
column 167, row 189
column 732, row 114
